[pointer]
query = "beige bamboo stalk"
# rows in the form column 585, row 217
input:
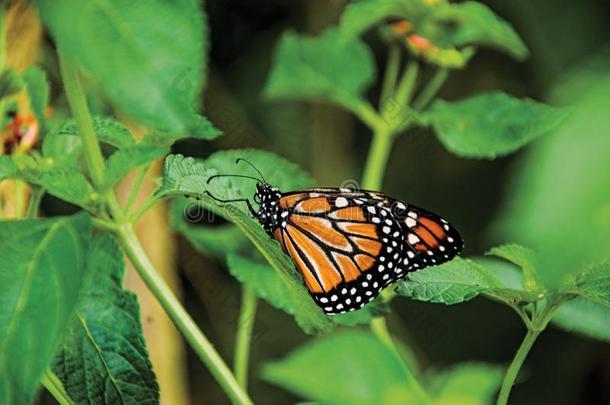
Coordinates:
column 165, row 346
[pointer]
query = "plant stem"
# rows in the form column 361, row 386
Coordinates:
column 377, row 159
column 522, row 314
column 407, row 84
column 515, row 366
column 36, row 197
column 247, row 316
column 390, row 76
column 535, row 327
column 131, row 245
column 364, row 111
column 380, row 329
column 105, row 225
column 80, row 111
column 146, row 205
column 135, row 188
column 431, row 89
column 183, row 321
column 55, row 388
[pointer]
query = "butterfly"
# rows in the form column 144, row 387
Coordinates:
column 349, row 244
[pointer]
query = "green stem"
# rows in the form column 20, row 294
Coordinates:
column 55, row 388
column 146, row 205
column 183, row 321
column 377, row 159
column 515, row 366
column 390, row 76
column 383, row 133
column 522, row 314
column 380, row 329
column 364, row 111
column 431, row 89
column 37, row 193
column 105, row 225
column 80, row 111
column 247, row 316
column 537, row 325
column 407, row 84
column 135, row 188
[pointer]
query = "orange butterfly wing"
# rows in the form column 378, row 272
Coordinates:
column 348, row 245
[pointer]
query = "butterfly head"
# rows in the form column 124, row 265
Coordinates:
column 268, row 197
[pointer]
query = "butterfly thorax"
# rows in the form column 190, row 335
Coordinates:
column 269, row 213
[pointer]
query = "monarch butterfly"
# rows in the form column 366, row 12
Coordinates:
column 349, row 244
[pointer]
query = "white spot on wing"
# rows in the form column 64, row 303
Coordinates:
column 341, row 202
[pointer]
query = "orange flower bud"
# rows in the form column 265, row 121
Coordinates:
column 401, row 27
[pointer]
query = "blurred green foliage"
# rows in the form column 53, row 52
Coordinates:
column 147, row 61
column 39, row 292
column 113, row 41
column 560, row 203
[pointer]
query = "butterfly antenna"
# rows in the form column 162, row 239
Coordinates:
column 251, row 165
column 231, row 175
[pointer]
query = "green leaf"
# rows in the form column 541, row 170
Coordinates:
column 361, row 15
column 450, row 283
column 189, row 176
column 62, row 147
column 8, row 168
column 351, row 367
column 10, row 83
column 216, row 240
column 490, row 124
column 123, row 160
column 103, row 358
column 37, row 87
column 466, row 384
column 69, row 185
column 148, row 55
column 107, row 129
column 559, row 199
column 41, row 266
column 584, row 316
column 203, row 129
column 473, row 23
column 63, row 151
column 446, row 25
column 511, row 278
column 522, row 257
column 594, row 283
column 579, row 315
column 327, row 67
